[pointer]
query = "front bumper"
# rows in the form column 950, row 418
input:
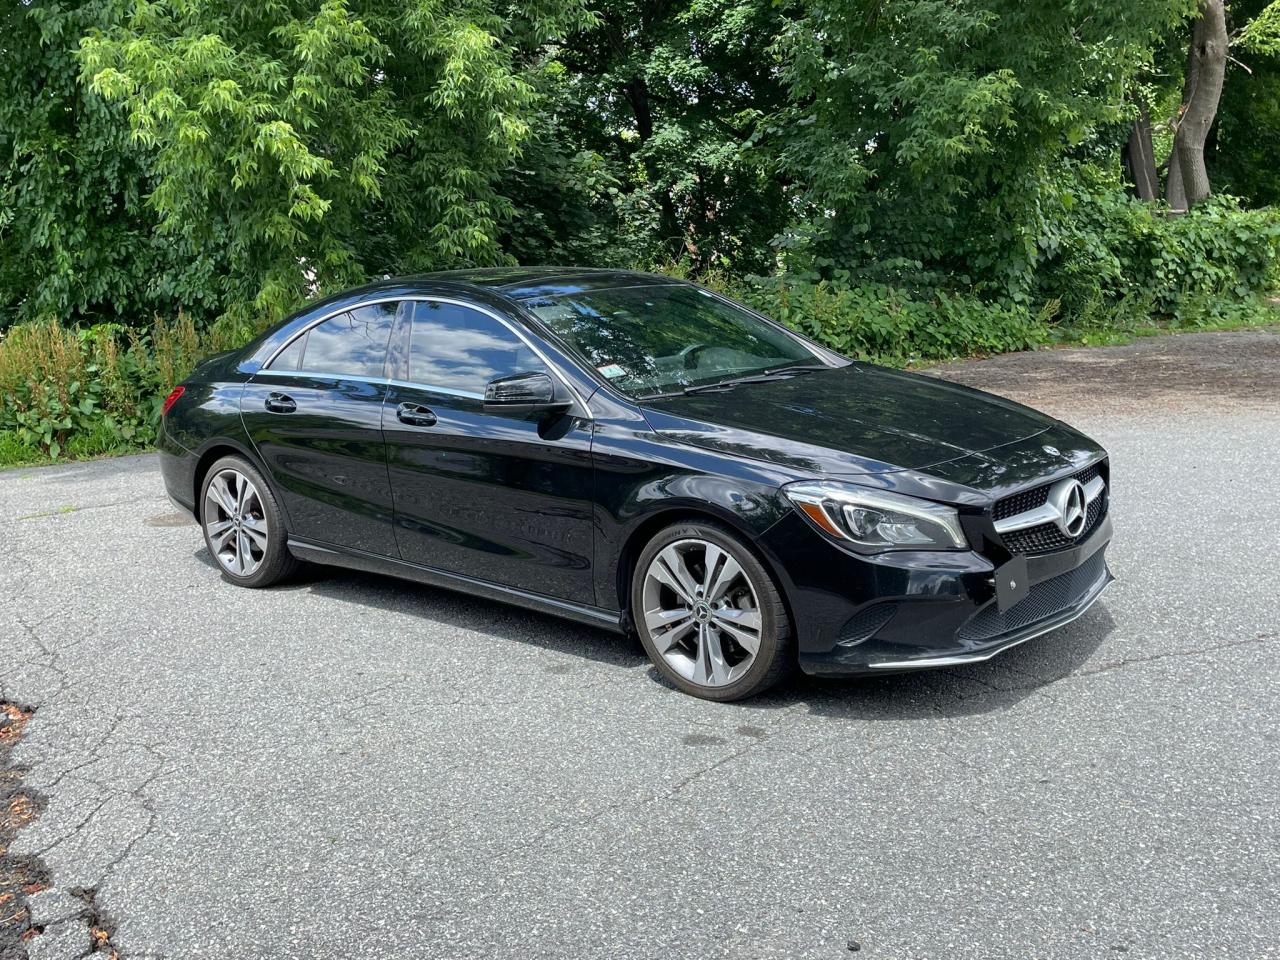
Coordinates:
column 1055, row 617
column 913, row 611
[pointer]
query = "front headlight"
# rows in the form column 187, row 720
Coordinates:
column 875, row 520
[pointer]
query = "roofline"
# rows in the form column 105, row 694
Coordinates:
column 458, row 279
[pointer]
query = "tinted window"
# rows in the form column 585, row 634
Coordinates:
column 354, row 343
column 290, row 358
column 463, row 349
column 656, row 338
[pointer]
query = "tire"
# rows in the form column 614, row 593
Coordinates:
column 244, row 530
column 699, row 630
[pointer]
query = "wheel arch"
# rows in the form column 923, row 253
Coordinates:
column 214, row 451
column 652, row 524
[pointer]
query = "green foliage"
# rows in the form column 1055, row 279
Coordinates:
column 90, row 391
column 568, row 204
column 890, row 325
column 77, row 243
column 904, row 181
column 1112, row 259
column 315, row 144
column 1109, row 266
column 924, row 134
column 1262, row 33
column 667, row 98
column 14, row 453
column 1246, row 139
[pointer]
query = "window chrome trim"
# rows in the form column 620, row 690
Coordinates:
column 521, row 335
column 301, row 331
column 320, row 375
column 447, row 391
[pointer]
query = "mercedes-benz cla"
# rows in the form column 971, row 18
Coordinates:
column 639, row 453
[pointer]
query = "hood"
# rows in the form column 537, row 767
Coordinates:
column 858, row 419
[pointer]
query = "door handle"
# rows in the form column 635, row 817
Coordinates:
column 415, row 415
column 280, row 403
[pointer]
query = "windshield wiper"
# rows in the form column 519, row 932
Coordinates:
column 717, row 387
column 798, row 368
column 686, row 391
column 765, row 376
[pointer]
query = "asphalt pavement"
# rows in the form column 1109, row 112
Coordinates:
column 358, row 767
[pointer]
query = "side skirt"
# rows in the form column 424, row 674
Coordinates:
column 358, row 560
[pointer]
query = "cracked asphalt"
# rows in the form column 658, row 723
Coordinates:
column 353, row 766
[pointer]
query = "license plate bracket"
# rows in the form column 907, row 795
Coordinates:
column 1012, row 583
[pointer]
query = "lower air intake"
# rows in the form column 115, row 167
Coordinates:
column 1045, row 601
column 866, row 622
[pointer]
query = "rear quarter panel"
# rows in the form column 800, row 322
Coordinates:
column 204, row 422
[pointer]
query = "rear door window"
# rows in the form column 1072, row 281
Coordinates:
column 351, row 344
column 290, row 358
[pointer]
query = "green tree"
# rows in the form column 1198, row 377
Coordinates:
column 318, row 143
column 933, row 140
column 1222, row 120
column 77, row 242
column 1247, row 139
column 669, row 94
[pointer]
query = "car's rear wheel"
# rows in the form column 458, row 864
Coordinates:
column 708, row 613
column 243, row 526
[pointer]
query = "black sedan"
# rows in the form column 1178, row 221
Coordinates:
column 636, row 452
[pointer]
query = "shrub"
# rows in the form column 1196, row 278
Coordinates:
column 46, row 386
column 91, row 391
column 1114, row 261
column 13, row 452
column 891, row 325
column 100, row 438
column 1107, row 267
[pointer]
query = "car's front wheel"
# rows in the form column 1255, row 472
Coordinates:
column 709, row 614
column 243, row 527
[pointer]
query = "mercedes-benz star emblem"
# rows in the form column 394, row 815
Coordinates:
column 1068, row 498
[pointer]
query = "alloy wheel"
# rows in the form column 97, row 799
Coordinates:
column 702, row 612
column 235, row 522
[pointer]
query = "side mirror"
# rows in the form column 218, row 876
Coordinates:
column 523, row 393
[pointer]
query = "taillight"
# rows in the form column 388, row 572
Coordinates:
column 171, row 399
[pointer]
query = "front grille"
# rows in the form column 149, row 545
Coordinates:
column 1045, row 600
column 1046, row 537
column 1025, row 500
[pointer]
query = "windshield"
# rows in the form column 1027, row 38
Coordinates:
column 662, row 339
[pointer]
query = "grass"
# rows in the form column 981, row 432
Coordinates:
column 59, row 512
column 14, row 453
column 1205, row 316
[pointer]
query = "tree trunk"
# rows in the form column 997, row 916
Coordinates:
column 637, row 94
column 1176, row 190
column 1140, row 157
column 1206, row 69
